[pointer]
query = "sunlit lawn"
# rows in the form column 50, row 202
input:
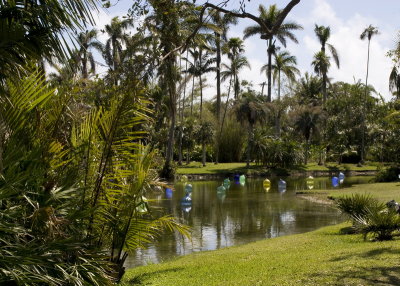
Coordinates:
column 322, row 257
column 211, row 168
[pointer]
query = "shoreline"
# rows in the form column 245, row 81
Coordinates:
column 230, row 174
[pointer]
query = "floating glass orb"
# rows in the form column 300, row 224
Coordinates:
column 186, row 201
column 168, row 193
column 237, row 177
column 335, row 182
column 281, row 186
column 187, row 209
column 341, row 178
column 221, row 189
column 310, row 182
column 242, row 178
column 184, row 179
column 142, row 206
column 227, row 183
column 266, row 184
column 188, row 188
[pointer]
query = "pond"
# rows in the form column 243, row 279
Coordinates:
column 242, row 214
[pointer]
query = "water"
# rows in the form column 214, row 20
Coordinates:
column 240, row 215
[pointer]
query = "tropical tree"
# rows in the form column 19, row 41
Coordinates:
column 306, row 122
column 202, row 64
column 87, row 40
column 220, row 37
column 308, row 90
column 368, row 33
column 249, row 110
column 321, row 59
column 394, row 82
column 204, row 134
column 113, row 48
column 283, row 32
column 234, row 48
column 34, row 30
column 284, row 63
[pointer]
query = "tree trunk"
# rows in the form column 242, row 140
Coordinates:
column 218, row 48
column 191, row 102
column 363, row 112
column 324, row 92
column 203, row 146
column 201, row 97
column 278, row 115
column 250, row 140
column 306, row 153
column 269, row 71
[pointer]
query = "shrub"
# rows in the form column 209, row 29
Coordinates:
column 358, row 205
column 390, row 174
column 381, row 224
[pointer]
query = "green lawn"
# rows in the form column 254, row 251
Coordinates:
column 211, row 168
column 322, row 257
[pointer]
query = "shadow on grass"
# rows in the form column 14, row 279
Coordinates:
column 389, row 275
column 141, row 278
column 369, row 254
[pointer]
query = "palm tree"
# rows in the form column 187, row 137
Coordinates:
column 306, row 121
column 284, row 63
column 367, row 33
column 117, row 37
column 223, row 22
column 321, row 63
column 234, row 49
column 202, row 64
column 394, row 82
column 249, row 110
column 308, row 89
column 88, row 40
column 270, row 17
column 323, row 33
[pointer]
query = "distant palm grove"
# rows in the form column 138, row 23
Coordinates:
column 79, row 150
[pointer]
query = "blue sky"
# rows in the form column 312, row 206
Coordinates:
column 347, row 20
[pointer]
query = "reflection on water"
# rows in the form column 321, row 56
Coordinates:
column 241, row 214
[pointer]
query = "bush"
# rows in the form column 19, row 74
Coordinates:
column 390, row 174
column 369, row 216
column 358, row 205
column 381, row 224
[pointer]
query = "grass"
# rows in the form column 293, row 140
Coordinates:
column 382, row 191
column 221, row 168
column 321, row 257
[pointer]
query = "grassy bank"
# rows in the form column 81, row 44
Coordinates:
column 223, row 168
column 322, row 257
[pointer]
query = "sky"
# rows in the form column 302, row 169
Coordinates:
column 347, row 19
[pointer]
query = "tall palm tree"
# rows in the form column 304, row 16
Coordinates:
column 306, row 121
column 284, row 63
column 202, row 64
column 220, row 37
column 321, row 64
column 234, row 49
column 116, row 32
column 323, row 34
column 284, row 32
column 368, row 33
column 88, row 40
column 249, row 110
